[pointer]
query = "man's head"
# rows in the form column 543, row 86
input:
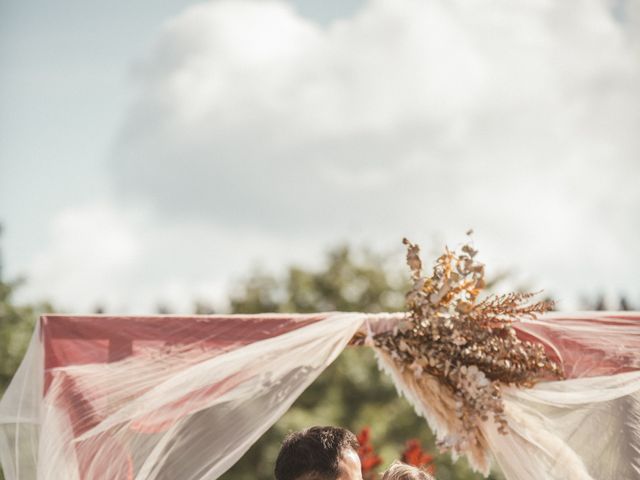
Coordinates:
column 319, row 453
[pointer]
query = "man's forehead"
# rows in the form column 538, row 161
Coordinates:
column 349, row 453
column 350, row 468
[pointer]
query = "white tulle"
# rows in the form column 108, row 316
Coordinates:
column 167, row 411
column 152, row 398
column 586, row 427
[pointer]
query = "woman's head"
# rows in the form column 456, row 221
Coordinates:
column 402, row 471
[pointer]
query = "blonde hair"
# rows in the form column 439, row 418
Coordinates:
column 402, row 471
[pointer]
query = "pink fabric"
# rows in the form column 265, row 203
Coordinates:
column 588, row 344
column 77, row 340
column 80, row 340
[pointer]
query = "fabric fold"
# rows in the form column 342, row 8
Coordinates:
column 165, row 397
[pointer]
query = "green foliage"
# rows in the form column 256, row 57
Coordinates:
column 350, row 281
column 16, row 327
column 352, row 392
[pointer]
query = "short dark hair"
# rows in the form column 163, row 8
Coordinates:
column 314, row 452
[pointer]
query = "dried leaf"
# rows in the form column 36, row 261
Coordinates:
column 469, row 345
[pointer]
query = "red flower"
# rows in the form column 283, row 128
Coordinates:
column 414, row 455
column 369, row 459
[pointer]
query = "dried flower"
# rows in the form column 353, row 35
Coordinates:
column 469, row 344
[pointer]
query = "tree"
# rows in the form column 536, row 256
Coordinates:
column 352, row 392
column 16, row 328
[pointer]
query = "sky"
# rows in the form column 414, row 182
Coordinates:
column 158, row 152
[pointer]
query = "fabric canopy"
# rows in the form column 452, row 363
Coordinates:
column 168, row 397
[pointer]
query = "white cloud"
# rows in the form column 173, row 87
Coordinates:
column 414, row 117
column 128, row 260
column 90, row 250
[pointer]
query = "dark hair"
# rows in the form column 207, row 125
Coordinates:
column 314, row 452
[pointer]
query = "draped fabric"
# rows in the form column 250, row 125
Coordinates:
column 167, row 397
column 585, row 427
column 113, row 398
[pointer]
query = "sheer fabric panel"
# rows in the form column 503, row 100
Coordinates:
column 586, row 427
column 158, row 398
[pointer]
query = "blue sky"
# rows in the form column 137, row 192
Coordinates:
column 65, row 72
column 157, row 151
